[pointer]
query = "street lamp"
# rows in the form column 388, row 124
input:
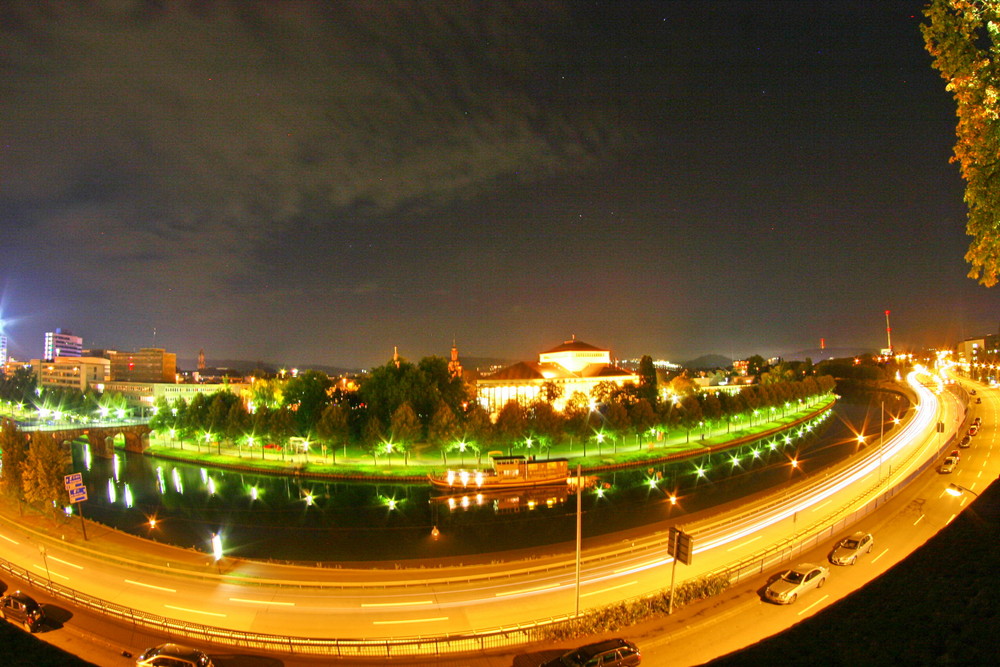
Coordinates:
column 957, row 490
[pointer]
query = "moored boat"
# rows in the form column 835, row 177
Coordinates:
column 508, row 472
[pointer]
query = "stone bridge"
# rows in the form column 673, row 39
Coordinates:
column 102, row 438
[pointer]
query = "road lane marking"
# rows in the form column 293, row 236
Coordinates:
column 49, row 573
column 819, row 507
column 950, row 519
column 884, row 552
column 813, row 604
column 79, row 567
column 606, row 590
column 9, row 540
column 396, row 604
column 640, row 568
column 412, row 620
column 743, row 544
column 919, row 520
column 158, row 588
column 286, row 604
column 526, row 590
column 194, row 611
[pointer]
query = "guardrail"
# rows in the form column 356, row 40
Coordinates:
column 479, row 641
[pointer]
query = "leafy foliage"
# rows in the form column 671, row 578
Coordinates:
column 963, row 36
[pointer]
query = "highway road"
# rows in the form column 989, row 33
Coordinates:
column 308, row 602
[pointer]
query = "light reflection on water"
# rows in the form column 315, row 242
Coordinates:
column 291, row 518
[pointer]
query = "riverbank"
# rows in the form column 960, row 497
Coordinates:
column 356, row 466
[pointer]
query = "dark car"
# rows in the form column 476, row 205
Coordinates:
column 173, row 655
column 973, row 429
column 965, row 442
column 979, row 400
column 609, row 653
column 21, row 608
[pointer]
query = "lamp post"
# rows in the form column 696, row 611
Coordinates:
column 958, row 490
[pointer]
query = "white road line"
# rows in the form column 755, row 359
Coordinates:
column 884, row 552
column 396, row 604
column 813, row 604
column 79, row 567
column 819, row 507
column 412, row 620
column 743, row 544
column 950, row 519
column 605, row 590
column 919, row 520
column 194, row 611
column 526, row 590
column 284, row 604
column 158, row 588
column 9, row 540
column 49, row 573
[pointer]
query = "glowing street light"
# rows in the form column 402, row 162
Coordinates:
column 216, row 546
column 957, row 490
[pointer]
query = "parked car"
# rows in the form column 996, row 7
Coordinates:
column 979, row 400
column 978, row 421
column 847, row 552
column 173, row 655
column 612, row 652
column 800, row 579
column 973, row 429
column 948, row 465
column 19, row 607
column 965, row 441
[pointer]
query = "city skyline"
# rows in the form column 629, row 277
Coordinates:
column 317, row 184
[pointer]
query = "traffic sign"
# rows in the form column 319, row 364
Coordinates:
column 78, row 494
column 76, row 479
column 680, row 545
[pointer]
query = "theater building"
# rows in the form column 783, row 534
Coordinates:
column 573, row 366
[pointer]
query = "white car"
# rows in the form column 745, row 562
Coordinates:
column 847, row 552
column 948, row 466
column 800, row 579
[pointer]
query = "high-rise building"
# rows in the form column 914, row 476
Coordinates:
column 61, row 343
column 3, row 351
column 149, row 364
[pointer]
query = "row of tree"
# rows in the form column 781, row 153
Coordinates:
column 402, row 405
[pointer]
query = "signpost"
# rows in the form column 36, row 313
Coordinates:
column 77, row 494
column 680, row 546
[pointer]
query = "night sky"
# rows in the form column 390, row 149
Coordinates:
column 313, row 183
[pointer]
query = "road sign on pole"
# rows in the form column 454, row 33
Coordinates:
column 78, row 494
column 76, row 479
column 680, row 545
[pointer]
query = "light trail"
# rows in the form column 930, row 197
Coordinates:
column 194, row 611
column 536, row 589
column 926, row 413
column 9, row 540
column 411, row 620
column 266, row 602
column 397, row 604
column 158, row 588
column 609, row 589
column 60, row 560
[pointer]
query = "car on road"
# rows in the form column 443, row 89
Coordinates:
column 173, row 655
column 979, row 400
column 611, row 652
column 19, row 607
column 800, row 579
column 965, row 441
column 849, row 548
column 973, row 429
column 948, row 465
column 978, row 421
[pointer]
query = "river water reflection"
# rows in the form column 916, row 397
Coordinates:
column 289, row 518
